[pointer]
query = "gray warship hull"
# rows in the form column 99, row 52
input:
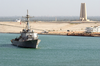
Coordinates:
column 26, row 44
column 28, row 38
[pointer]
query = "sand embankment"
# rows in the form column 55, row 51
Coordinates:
column 51, row 27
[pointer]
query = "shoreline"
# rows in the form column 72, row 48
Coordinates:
column 47, row 28
column 66, row 34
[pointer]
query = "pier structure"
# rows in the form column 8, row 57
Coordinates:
column 83, row 12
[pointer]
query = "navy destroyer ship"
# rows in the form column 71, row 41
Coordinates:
column 28, row 38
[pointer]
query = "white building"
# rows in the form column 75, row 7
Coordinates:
column 93, row 29
column 18, row 20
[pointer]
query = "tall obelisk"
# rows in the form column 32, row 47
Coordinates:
column 83, row 12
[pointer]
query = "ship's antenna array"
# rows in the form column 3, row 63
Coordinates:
column 27, row 17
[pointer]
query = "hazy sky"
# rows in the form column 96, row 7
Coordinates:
column 48, row 7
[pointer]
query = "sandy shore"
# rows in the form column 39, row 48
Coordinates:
column 51, row 27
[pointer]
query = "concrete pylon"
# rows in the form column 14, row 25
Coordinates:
column 83, row 12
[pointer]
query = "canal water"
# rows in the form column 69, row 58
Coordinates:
column 53, row 50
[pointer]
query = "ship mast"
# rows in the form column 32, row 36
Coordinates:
column 27, row 16
column 27, row 25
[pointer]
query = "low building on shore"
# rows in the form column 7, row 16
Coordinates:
column 92, row 29
column 18, row 20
